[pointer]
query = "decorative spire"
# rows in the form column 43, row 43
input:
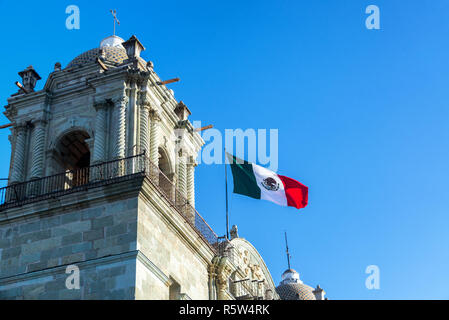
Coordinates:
column 234, row 232
column 133, row 47
column 114, row 14
column 319, row 293
column 29, row 78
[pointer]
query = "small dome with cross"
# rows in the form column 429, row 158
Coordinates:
column 110, row 50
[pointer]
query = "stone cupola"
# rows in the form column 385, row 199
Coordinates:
column 29, row 78
column 133, row 47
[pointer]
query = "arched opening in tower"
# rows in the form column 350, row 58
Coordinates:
column 74, row 157
column 165, row 174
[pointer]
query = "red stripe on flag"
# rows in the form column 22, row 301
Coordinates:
column 296, row 192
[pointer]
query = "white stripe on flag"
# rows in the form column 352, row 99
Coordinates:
column 276, row 196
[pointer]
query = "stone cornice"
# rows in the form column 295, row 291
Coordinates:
column 39, row 121
column 80, row 72
column 88, row 77
column 50, row 272
column 141, row 257
column 29, row 99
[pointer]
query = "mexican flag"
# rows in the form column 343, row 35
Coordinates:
column 260, row 183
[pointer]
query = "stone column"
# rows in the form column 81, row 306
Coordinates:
column 17, row 172
column 38, row 145
column 119, row 129
column 50, row 157
column 181, row 195
column 144, row 127
column 37, row 157
column 118, row 139
column 100, row 134
column 212, row 275
column 191, row 181
column 132, row 120
column 154, row 138
column 182, row 174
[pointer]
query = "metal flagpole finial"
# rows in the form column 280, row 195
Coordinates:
column 114, row 14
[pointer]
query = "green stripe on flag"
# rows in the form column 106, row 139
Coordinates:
column 244, row 180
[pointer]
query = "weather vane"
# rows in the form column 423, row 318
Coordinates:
column 114, row 14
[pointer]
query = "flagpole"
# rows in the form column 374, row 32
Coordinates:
column 226, row 189
column 288, row 254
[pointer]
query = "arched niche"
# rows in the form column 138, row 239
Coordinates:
column 166, row 173
column 72, row 150
column 71, row 154
column 165, row 164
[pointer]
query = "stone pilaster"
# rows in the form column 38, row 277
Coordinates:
column 222, row 279
column 95, row 171
column 212, row 276
column 154, row 137
column 191, row 181
column 119, row 128
column 38, row 145
column 100, row 134
column 182, row 174
column 18, row 169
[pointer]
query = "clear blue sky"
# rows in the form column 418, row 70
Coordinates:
column 363, row 120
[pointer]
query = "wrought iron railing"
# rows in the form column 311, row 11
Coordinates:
column 179, row 201
column 54, row 186
column 102, row 174
column 247, row 289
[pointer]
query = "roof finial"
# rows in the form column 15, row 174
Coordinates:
column 288, row 254
column 114, row 14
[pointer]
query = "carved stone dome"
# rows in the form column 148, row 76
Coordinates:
column 110, row 54
column 292, row 288
column 295, row 291
column 110, row 50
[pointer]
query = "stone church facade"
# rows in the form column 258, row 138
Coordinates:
column 102, row 178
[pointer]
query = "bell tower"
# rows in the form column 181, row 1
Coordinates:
column 107, row 104
column 102, row 177
column 102, row 188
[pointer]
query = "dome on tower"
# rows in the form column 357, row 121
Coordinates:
column 292, row 288
column 112, row 41
column 110, row 50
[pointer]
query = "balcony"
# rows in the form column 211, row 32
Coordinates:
column 247, row 289
column 103, row 174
